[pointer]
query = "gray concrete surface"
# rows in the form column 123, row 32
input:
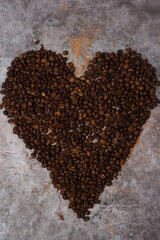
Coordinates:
column 29, row 205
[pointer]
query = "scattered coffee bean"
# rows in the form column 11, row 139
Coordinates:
column 37, row 41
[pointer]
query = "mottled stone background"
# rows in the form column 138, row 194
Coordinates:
column 30, row 208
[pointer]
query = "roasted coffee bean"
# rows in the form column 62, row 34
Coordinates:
column 37, row 41
column 80, row 129
column 33, row 155
column 5, row 112
column 65, row 53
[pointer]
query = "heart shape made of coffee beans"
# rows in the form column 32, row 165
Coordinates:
column 80, row 128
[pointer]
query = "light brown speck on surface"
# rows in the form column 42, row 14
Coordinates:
column 80, row 52
column 64, row 5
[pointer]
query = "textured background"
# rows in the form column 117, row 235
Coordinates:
column 30, row 208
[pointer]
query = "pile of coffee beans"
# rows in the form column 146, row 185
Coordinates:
column 80, row 129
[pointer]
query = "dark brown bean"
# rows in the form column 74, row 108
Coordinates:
column 65, row 53
column 5, row 112
column 37, row 41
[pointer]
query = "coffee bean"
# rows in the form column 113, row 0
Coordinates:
column 14, row 130
column 37, row 41
column 65, row 53
column 80, row 129
column 33, row 155
column 102, row 141
column 108, row 183
column 71, row 80
column 5, row 112
column 10, row 121
column 86, row 219
column 44, row 60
